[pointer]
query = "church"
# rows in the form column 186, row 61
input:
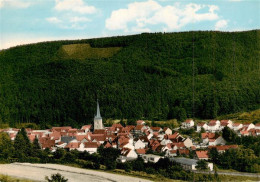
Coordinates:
column 98, row 124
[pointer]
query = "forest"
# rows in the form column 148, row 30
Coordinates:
column 155, row 76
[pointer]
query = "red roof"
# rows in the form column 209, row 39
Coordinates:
column 100, row 131
column 173, row 136
column 258, row 124
column 91, row 145
column 188, row 120
column 140, row 122
column 155, row 128
column 140, row 151
column 184, row 151
column 139, row 127
column 73, row 145
column 117, row 125
column 202, row 154
column 208, row 135
column 81, row 137
column 86, row 127
column 200, row 124
column 98, row 137
column 236, row 124
column 223, row 147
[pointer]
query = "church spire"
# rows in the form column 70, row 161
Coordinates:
column 98, row 111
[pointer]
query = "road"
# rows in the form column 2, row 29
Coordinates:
column 232, row 173
column 37, row 172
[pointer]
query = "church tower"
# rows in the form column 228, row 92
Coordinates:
column 98, row 124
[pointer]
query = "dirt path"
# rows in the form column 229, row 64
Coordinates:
column 38, row 172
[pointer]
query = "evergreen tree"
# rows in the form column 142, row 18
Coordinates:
column 6, row 146
column 22, row 145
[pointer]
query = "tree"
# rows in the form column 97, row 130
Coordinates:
column 214, row 155
column 229, row 135
column 202, row 165
column 59, row 153
column 36, row 149
column 6, row 146
column 22, row 145
column 56, row 178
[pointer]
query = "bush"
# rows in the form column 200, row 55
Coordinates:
column 56, row 178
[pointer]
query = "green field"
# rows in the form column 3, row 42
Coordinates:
column 85, row 51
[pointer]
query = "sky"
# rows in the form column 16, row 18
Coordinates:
column 30, row 21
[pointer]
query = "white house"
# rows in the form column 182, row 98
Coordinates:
column 139, row 144
column 151, row 158
column 90, row 147
column 188, row 143
column 167, row 131
column 188, row 123
column 227, row 123
column 217, row 141
column 129, row 153
column 257, row 126
column 214, row 125
column 189, row 164
column 237, row 126
column 202, row 125
column 249, row 126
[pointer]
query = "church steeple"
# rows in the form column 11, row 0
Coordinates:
column 98, row 124
column 98, row 111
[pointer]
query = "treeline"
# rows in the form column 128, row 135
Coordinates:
column 154, row 76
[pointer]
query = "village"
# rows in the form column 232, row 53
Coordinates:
column 141, row 140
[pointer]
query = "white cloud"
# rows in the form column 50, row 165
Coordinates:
column 1, row 3
column 15, row 3
column 76, row 23
column 54, row 20
column 12, row 40
column 74, row 5
column 141, row 15
column 77, row 19
column 221, row 24
column 235, row 0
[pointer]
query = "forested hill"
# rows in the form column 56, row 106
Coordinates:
column 151, row 76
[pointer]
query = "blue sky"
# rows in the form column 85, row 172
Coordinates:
column 29, row 21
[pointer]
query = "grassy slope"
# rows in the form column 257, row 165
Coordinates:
column 243, row 117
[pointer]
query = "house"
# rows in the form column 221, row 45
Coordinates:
column 202, row 155
column 151, row 158
column 202, row 125
column 249, row 126
column 189, row 123
column 237, row 126
column 188, row 143
column 206, row 136
column 257, row 126
column 214, row 125
column 139, row 129
column 140, row 152
column 156, row 129
column 90, row 147
column 139, row 144
column 167, row 131
column 140, row 122
column 189, row 164
column 86, row 128
column 72, row 145
column 129, row 153
column 226, row 123
column 217, row 141
column 223, row 148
